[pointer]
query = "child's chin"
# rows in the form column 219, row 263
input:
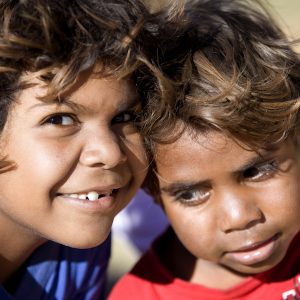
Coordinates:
column 256, row 268
column 84, row 244
column 86, row 241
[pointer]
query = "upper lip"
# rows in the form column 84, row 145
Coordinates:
column 253, row 245
column 97, row 189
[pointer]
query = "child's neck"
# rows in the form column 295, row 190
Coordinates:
column 212, row 275
column 15, row 247
column 194, row 270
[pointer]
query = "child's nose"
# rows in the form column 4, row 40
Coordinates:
column 238, row 211
column 102, row 149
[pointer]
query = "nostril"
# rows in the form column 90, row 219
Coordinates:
column 255, row 222
column 105, row 157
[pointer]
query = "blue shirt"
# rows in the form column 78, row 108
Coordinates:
column 58, row 272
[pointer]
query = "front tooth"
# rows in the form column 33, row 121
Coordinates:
column 92, row 196
column 82, row 196
column 73, row 195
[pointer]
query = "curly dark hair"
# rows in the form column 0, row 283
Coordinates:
column 235, row 72
column 55, row 40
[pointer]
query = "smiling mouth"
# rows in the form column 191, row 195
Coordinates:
column 90, row 196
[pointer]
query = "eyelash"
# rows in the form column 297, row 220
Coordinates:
column 181, row 196
column 48, row 121
column 132, row 117
column 124, row 117
column 261, row 172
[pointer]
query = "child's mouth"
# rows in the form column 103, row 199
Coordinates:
column 92, row 200
column 91, row 196
column 256, row 253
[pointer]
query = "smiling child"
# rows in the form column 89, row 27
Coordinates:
column 71, row 157
column 226, row 164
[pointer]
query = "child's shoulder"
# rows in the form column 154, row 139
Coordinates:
column 148, row 274
column 57, row 270
column 150, row 279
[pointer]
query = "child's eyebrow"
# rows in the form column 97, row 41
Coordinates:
column 250, row 163
column 261, row 157
column 132, row 102
column 258, row 159
column 65, row 102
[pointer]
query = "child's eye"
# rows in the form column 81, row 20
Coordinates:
column 61, row 120
column 124, row 117
column 193, row 196
column 261, row 172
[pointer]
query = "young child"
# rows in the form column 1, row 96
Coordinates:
column 227, row 164
column 71, row 157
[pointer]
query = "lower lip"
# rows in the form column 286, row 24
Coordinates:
column 99, row 205
column 256, row 255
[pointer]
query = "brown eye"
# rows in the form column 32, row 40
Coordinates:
column 261, row 172
column 60, row 119
column 193, row 196
column 124, row 117
column 251, row 172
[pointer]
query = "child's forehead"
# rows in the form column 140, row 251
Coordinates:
column 209, row 142
column 211, row 158
column 91, row 96
column 190, row 138
column 106, row 85
column 84, row 81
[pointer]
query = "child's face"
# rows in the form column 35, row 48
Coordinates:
column 85, row 147
column 228, row 205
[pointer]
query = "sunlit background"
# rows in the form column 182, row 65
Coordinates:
column 288, row 12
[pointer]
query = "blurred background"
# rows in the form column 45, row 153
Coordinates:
column 143, row 220
column 288, row 15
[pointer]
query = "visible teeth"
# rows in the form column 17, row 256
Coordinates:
column 91, row 196
column 73, row 196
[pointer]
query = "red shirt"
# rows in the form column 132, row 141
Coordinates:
column 150, row 280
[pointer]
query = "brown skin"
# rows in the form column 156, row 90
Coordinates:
column 87, row 144
column 236, row 212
